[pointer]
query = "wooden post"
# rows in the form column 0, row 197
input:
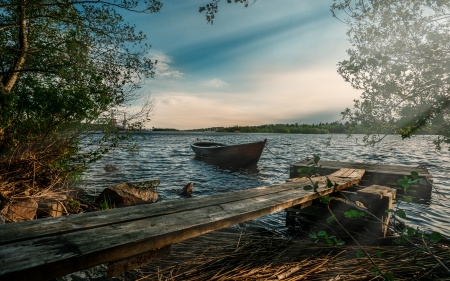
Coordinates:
column 378, row 199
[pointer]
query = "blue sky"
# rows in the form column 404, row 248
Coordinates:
column 273, row 62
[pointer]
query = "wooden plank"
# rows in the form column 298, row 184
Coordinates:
column 369, row 168
column 121, row 266
column 39, row 228
column 59, row 254
column 376, row 191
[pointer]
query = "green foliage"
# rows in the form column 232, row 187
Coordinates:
column 352, row 214
column 72, row 205
column 388, row 276
column 360, row 254
column 330, row 240
column 326, row 199
column 106, row 204
column 62, row 69
column 401, row 214
column 331, row 219
column 435, row 236
column 399, row 60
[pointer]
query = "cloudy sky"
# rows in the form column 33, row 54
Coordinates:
column 273, row 62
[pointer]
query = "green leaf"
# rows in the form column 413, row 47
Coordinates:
column 407, row 199
column 401, row 214
column 331, row 219
column 325, row 199
column 316, row 159
column 388, row 276
column 340, row 243
column 307, row 187
column 379, row 253
column 404, row 183
column 360, row 254
column 389, row 211
column 415, row 174
column 435, row 236
column 313, row 235
column 329, row 183
column 411, row 231
column 322, row 234
column 316, row 185
column 352, row 214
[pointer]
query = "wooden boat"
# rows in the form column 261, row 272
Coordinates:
column 229, row 156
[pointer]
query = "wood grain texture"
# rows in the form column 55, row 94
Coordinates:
column 64, row 245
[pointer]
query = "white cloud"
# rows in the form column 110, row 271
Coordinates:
column 163, row 69
column 313, row 95
column 213, row 83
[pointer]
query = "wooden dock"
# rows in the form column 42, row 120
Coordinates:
column 375, row 174
column 48, row 248
column 379, row 181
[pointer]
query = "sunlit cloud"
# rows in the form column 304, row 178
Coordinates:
column 316, row 95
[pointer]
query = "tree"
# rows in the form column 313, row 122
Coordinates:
column 63, row 63
column 400, row 58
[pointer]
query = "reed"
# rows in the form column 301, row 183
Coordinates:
column 253, row 256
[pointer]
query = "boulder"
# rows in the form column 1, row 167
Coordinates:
column 125, row 194
column 187, row 190
column 20, row 210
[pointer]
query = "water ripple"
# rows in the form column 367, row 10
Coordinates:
column 168, row 157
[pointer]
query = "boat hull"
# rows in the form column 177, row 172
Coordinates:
column 229, row 156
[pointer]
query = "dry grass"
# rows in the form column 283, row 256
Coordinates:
column 252, row 256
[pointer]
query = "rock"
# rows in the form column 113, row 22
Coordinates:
column 187, row 189
column 125, row 194
column 110, row 168
column 20, row 210
column 146, row 184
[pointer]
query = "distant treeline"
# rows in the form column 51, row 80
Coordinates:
column 321, row 128
column 163, row 129
column 296, row 128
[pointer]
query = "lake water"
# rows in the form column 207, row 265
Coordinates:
column 169, row 158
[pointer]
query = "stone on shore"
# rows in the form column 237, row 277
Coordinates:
column 20, row 210
column 125, row 194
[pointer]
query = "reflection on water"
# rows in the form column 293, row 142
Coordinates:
column 169, row 158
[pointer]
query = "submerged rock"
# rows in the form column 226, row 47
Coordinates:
column 187, row 190
column 110, row 168
column 125, row 194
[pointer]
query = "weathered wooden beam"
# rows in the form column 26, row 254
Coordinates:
column 376, row 174
column 86, row 244
column 121, row 266
column 67, row 224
